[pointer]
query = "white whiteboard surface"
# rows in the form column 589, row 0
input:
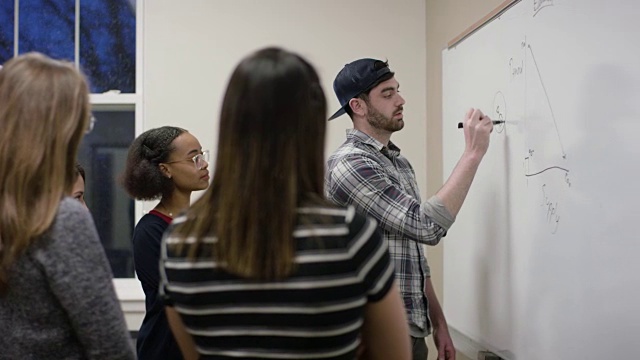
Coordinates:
column 543, row 260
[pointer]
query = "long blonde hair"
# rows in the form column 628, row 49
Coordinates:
column 44, row 112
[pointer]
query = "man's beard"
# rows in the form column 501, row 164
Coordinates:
column 377, row 120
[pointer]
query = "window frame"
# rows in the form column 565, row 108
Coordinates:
column 128, row 290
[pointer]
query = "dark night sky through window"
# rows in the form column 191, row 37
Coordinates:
column 107, row 37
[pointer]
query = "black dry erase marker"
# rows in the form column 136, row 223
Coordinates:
column 495, row 122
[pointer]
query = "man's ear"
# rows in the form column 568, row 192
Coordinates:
column 357, row 106
column 164, row 169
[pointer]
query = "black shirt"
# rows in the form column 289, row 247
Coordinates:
column 155, row 339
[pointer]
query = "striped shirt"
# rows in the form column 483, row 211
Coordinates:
column 342, row 264
column 379, row 182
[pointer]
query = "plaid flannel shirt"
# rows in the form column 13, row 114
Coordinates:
column 381, row 183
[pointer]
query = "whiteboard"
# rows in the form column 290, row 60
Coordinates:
column 543, row 259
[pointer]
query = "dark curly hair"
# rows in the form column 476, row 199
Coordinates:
column 142, row 177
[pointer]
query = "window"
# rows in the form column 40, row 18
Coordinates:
column 100, row 37
column 7, row 13
column 103, row 154
column 47, row 26
column 107, row 35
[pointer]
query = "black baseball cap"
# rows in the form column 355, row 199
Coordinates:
column 356, row 78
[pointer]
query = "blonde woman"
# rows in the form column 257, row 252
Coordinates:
column 57, row 299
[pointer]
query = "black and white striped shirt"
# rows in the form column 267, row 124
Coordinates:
column 316, row 313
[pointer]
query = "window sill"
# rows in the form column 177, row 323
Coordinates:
column 114, row 101
column 131, row 299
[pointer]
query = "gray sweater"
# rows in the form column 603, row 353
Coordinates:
column 61, row 303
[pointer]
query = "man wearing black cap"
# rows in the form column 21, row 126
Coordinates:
column 368, row 172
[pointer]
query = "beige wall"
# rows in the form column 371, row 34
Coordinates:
column 445, row 20
column 191, row 47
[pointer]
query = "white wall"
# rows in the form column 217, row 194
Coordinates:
column 192, row 46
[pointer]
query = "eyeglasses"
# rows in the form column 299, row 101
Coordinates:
column 199, row 160
column 92, row 123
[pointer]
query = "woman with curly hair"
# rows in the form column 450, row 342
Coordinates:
column 168, row 164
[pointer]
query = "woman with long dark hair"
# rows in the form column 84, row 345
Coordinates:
column 262, row 266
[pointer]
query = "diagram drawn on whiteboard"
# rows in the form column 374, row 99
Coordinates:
column 499, row 111
column 545, row 165
column 540, row 4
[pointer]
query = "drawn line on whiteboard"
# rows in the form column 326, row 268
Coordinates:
column 540, row 4
column 544, row 88
column 547, row 169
